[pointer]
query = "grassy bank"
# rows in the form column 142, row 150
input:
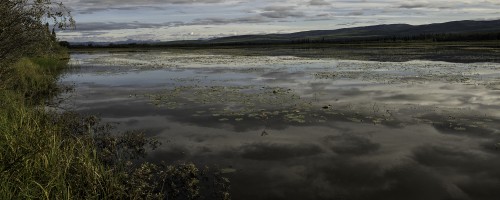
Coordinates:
column 39, row 157
column 50, row 155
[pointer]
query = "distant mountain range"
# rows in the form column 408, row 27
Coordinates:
column 376, row 32
column 455, row 30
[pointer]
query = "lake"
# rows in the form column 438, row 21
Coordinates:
column 285, row 126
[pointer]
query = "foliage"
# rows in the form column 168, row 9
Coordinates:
column 32, row 81
column 24, row 28
column 38, row 159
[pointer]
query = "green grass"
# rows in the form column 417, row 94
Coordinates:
column 36, row 78
column 38, row 158
column 50, row 155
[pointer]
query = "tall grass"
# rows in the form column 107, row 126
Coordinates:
column 48, row 155
column 35, row 79
column 38, row 159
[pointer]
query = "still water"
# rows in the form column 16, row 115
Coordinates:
column 287, row 127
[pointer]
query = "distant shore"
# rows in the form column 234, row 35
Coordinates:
column 463, row 52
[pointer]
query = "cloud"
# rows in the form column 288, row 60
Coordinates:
column 97, row 26
column 143, row 2
column 283, row 16
column 222, row 21
column 90, row 6
column 431, row 173
column 429, row 5
column 274, row 151
column 348, row 144
column 355, row 13
column 319, row 3
column 204, row 137
column 481, row 169
column 281, row 12
column 101, row 26
column 92, row 33
column 411, row 5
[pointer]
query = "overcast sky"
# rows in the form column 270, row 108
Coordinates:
column 166, row 20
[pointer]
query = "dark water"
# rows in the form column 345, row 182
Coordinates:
column 301, row 128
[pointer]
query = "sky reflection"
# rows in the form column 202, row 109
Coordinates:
column 347, row 130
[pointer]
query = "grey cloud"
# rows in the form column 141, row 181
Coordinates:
column 319, row 3
column 410, row 5
column 188, row 1
column 482, row 177
column 355, row 13
column 91, row 10
column 90, row 6
column 425, row 4
column 144, row 2
column 96, row 26
column 219, row 21
column 278, row 8
column 284, row 14
column 92, row 33
column 320, row 17
column 281, row 12
column 99, row 26
column 348, row 144
column 273, row 151
column 354, row 23
column 203, row 137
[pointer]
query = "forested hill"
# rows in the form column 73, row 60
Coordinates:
column 449, row 31
column 438, row 32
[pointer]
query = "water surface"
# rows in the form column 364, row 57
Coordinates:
column 288, row 127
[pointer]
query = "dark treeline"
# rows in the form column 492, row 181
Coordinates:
column 448, row 37
column 442, row 37
column 432, row 38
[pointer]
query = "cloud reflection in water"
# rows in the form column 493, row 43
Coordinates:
column 372, row 130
